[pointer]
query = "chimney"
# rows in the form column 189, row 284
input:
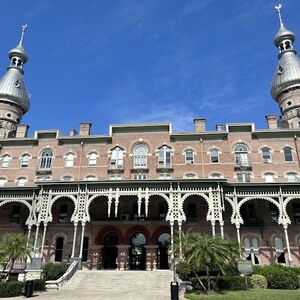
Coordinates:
column 219, row 127
column 200, row 125
column 73, row 132
column 22, row 131
column 85, row 129
column 272, row 121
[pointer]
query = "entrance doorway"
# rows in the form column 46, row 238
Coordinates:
column 137, row 253
column 110, row 251
column 163, row 243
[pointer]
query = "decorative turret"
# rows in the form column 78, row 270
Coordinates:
column 14, row 98
column 286, row 81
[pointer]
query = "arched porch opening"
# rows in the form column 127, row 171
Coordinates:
column 98, row 209
column 158, row 208
column 128, row 208
column 163, row 243
column 62, row 210
column 110, row 251
column 137, row 252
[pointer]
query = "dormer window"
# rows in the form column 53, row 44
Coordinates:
column 164, row 157
column 140, row 155
column 46, row 159
column 116, row 159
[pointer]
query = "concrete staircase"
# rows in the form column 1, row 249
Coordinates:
column 123, row 283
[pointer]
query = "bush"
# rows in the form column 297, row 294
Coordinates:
column 234, row 282
column 279, row 277
column 11, row 288
column 258, row 281
column 39, row 285
column 52, row 271
column 296, row 270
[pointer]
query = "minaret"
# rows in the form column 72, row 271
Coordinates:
column 14, row 98
column 286, row 81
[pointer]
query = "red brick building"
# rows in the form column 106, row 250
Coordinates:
column 115, row 200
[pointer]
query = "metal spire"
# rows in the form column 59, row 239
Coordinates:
column 278, row 8
column 23, row 32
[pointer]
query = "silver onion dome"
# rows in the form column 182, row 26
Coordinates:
column 20, row 52
column 283, row 34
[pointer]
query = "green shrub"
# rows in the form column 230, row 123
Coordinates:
column 39, row 285
column 280, row 277
column 258, row 281
column 52, row 271
column 232, row 282
column 11, row 288
column 296, row 270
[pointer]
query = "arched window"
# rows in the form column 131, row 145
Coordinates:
column 140, row 155
column 164, row 157
column 241, row 151
column 215, row 176
column 251, row 244
column 279, row 248
column 190, row 176
column 116, row 159
column 269, row 177
column 2, row 181
column 292, row 177
column 5, row 161
column 69, row 160
column 46, row 159
column 24, row 161
column 92, row 158
column 189, row 156
column 266, row 155
column 21, row 181
column 214, row 156
column 59, row 247
column 90, row 178
column 67, row 178
column 288, row 154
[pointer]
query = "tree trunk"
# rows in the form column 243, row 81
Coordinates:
column 10, row 269
column 208, row 278
column 201, row 283
column 216, row 283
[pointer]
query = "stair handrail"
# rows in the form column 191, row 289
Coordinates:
column 65, row 277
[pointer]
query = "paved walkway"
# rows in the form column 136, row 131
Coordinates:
column 70, row 295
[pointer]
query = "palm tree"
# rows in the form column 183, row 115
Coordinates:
column 205, row 252
column 12, row 248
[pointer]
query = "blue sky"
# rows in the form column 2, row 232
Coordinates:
column 133, row 61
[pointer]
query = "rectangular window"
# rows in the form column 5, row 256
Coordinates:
column 115, row 177
column 164, row 157
column 139, row 176
column 243, row 177
column 164, row 176
column 189, row 157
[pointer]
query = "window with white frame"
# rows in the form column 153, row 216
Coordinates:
column 215, row 176
column 115, row 177
column 190, row 176
column 266, row 155
column 164, row 176
column 189, row 156
column 116, row 159
column 292, row 177
column 67, row 178
column 241, row 152
column 69, row 160
column 269, row 177
column 92, row 159
column 251, row 244
column 279, row 248
column 214, row 156
column 24, row 160
column 43, row 178
column 90, row 178
column 140, row 155
column 139, row 176
column 5, row 161
column 164, row 157
column 2, row 182
column 243, row 177
column 288, row 154
column 21, row 181
column 46, row 159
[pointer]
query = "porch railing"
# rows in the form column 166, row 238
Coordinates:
column 64, row 278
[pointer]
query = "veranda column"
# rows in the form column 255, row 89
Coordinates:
column 180, row 238
column 43, row 239
column 28, row 235
column 82, row 238
column 74, row 239
column 213, row 227
column 222, row 228
column 237, row 225
column 285, row 226
column 172, row 238
column 35, row 238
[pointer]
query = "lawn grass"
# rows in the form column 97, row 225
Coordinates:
column 253, row 294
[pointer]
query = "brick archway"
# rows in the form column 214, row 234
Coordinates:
column 158, row 231
column 140, row 229
column 109, row 229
